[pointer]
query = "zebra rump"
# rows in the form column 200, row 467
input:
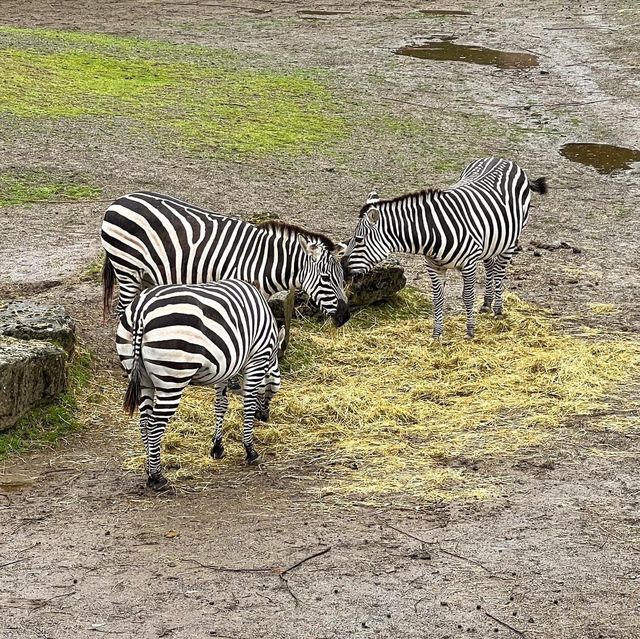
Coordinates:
column 174, row 336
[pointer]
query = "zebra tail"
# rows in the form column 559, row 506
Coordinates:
column 108, row 280
column 539, row 185
column 132, row 396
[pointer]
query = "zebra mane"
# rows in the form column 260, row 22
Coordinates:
column 284, row 228
column 424, row 194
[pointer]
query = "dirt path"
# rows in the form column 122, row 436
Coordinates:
column 86, row 552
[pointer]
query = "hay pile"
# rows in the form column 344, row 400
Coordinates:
column 378, row 410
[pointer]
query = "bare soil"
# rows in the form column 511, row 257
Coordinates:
column 85, row 550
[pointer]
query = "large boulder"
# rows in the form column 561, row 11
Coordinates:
column 29, row 320
column 31, row 372
column 379, row 284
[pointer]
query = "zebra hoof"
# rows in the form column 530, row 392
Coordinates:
column 253, row 457
column 469, row 336
column 217, row 450
column 485, row 309
column 498, row 316
column 157, row 482
column 262, row 415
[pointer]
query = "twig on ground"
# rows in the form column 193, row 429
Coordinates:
column 442, row 550
column 15, row 561
column 503, row 623
column 282, row 574
column 324, row 551
column 229, row 569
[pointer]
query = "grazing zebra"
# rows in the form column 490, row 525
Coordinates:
column 199, row 334
column 153, row 239
column 477, row 219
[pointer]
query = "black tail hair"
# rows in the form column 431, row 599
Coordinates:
column 539, row 185
column 132, row 397
column 108, row 280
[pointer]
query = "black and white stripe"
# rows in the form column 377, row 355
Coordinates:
column 153, row 239
column 479, row 218
column 172, row 336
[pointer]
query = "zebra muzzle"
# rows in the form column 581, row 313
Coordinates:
column 342, row 315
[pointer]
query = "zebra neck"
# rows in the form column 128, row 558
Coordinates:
column 407, row 222
column 279, row 268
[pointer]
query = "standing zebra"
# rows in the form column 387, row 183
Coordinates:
column 153, row 239
column 478, row 218
column 203, row 334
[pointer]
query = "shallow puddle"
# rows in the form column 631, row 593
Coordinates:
column 13, row 486
column 319, row 12
column 444, row 12
column 604, row 158
column 467, row 53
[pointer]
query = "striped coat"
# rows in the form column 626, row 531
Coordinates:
column 478, row 219
column 174, row 336
column 152, row 239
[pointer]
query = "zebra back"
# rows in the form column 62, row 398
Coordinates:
column 155, row 239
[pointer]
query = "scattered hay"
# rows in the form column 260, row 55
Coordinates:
column 377, row 409
column 604, row 309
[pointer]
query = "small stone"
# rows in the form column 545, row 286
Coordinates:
column 572, row 280
column 577, row 250
column 537, row 253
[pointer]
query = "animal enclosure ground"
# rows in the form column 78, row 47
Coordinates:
column 301, row 110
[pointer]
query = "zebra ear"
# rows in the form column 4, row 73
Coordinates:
column 373, row 216
column 311, row 248
column 372, row 197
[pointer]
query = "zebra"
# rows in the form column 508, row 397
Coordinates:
column 153, row 239
column 172, row 336
column 477, row 219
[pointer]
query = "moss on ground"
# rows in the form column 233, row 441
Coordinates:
column 203, row 98
column 20, row 187
column 47, row 424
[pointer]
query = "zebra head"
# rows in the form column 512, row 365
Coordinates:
column 271, row 383
column 367, row 247
column 322, row 279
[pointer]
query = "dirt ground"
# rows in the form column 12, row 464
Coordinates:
column 86, row 551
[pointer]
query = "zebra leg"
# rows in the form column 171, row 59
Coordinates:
column 489, row 285
column 222, row 403
column 500, row 268
column 164, row 407
column 437, row 285
column 469, row 295
column 252, row 379
column 146, row 410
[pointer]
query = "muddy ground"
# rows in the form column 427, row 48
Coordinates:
column 85, row 551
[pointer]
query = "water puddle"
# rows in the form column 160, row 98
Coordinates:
column 13, row 486
column 604, row 158
column 466, row 53
column 444, row 12
column 319, row 12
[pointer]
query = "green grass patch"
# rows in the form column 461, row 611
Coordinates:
column 20, row 187
column 47, row 424
column 202, row 98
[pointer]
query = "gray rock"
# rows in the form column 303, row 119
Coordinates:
column 31, row 372
column 28, row 320
column 380, row 283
